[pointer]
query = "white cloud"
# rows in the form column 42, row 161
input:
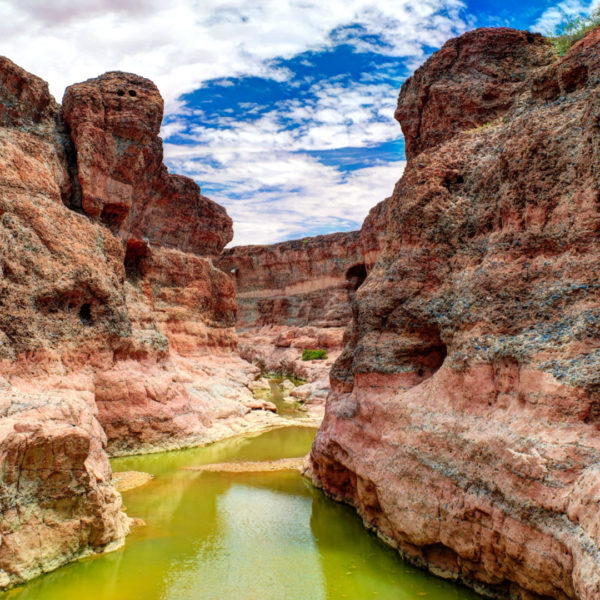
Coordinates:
column 567, row 9
column 331, row 116
column 279, row 196
column 181, row 43
column 270, row 186
column 274, row 190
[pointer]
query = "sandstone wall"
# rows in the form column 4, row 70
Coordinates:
column 463, row 421
column 298, row 283
column 116, row 330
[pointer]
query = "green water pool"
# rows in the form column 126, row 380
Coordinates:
column 246, row 536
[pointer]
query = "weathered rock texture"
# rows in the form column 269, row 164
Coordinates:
column 470, row 82
column 116, row 330
column 53, row 260
column 296, row 295
column 298, row 283
column 56, row 498
column 57, row 502
column 463, row 420
column 115, row 120
column 373, row 233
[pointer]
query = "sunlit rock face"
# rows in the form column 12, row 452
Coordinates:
column 57, row 501
column 116, row 329
column 463, row 420
column 53, row 260
column 114, row 121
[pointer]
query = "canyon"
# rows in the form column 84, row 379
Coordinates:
column 461, row 322
column 117, row 331
column 295, row 296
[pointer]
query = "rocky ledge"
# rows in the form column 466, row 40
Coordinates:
column 57, row 501
column 464, row 413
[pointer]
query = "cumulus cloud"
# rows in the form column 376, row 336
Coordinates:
column 257, row 160
column 553, row 16
column 330, row 116
column 263, row 172
column 181, row 43
column 274, row 196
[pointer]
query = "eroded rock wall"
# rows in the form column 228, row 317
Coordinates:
column 463, row 419
column 114, row 122
column 297, row 295
column 297, row 283
column 116, row 330
column 57, row 502
column 56, row 497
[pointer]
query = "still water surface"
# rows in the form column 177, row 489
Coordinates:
column 239, row 536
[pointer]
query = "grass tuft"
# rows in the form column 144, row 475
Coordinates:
column 314, row 354
column 572, row 30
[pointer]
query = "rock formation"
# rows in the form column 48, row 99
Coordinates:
column 298, row 283
column 57, row 502
column 116, row 330
column 296, row 295
column 114, row 121
column 463, row 419
column 60, row 283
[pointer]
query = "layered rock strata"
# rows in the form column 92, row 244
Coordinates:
column 297, row 295
column 297, row 283
column 463, row 418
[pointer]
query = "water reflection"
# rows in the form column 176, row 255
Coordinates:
column 264, row 550
column 358, row 565
column 246, row 536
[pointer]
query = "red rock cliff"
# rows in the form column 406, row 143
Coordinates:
column 55, row 484
column 297, row 283
column 115, row 120
column 116, row 329
column 463, row 421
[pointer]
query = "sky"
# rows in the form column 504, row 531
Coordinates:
column 281, row 110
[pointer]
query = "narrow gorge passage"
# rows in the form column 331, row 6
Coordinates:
column 448, row 348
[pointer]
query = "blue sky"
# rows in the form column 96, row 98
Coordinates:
column 281, row 110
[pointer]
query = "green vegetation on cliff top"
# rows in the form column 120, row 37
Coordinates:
column 572, row 30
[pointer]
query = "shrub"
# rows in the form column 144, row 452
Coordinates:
column 159, row 342
column 573, row 30
column 314, row 354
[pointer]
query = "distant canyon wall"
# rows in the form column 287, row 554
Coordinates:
column 304, row 282
column 298, row 295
